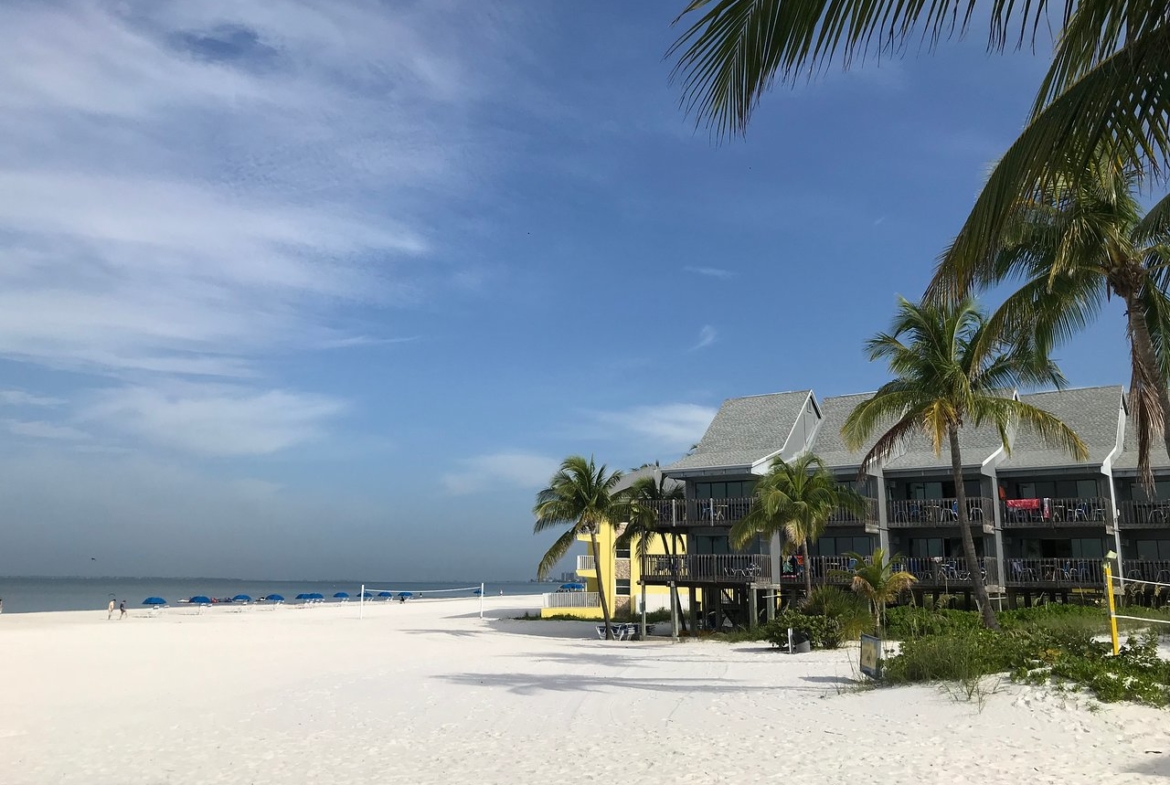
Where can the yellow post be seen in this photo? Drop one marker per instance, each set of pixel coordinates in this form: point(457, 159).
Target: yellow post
point(1112, 609)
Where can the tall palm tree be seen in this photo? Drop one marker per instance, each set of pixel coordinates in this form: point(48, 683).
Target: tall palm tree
point(1107, 83)
point(875, 579)
point(646, 497)
point(1075, 244)
point(951, 371)
point(796, 499)
point(581, 495)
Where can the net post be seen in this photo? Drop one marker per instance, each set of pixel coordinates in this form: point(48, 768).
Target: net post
point(361, 603)
point(481, 589)
point(1112, 609)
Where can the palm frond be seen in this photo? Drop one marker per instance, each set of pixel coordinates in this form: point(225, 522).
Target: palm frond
point(734, 50)
point(1155, 226)
point(556, 553)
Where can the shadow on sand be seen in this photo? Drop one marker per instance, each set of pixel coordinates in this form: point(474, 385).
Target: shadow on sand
point(532, 684)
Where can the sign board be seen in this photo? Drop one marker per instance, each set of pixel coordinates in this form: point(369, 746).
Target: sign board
point(871, 656)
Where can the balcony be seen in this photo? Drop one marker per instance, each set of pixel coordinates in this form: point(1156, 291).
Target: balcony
point(868, 518)
point(1144, 515)
point(939, 512)
point(572, 599)
point(722, 568)
point(1075, 573)
point(1157, 571)
point(725, 512)
point(1025, 513)
point(586, 564)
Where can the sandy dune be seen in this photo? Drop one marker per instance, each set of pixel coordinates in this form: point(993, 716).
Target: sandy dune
point(426, 692)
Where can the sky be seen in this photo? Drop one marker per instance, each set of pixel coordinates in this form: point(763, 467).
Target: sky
point(305, 290)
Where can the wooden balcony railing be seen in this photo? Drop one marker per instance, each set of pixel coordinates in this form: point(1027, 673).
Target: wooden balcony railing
point(843, 517)
point(938, 512)
point(708, 568)
point(1085, 511)
point(1144, 515)
point(1157, 570)
point(1083, 573)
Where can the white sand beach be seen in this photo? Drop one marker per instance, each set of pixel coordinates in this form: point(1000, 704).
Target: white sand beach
point(426, 692)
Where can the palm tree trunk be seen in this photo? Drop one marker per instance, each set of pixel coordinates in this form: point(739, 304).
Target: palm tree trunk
point(669, 548)
point(981, 597)
point(600, 585)
point(1143, 349)
point(807, 570)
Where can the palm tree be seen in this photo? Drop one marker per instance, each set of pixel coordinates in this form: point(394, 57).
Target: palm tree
point(875, 579)
point(645, 498)
point(949, 372)
point(581, 495)
point(797, 499)
point(1076, 244)
point(1107, 83)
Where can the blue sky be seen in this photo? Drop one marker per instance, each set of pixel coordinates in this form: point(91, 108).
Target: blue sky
point(327, 290)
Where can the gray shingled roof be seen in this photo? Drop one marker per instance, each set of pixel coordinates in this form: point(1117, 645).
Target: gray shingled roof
point(1127, 460)
point(828, 445)
point(976, 445)
point(630, 477)
point(745, 430)
point(1090, 411)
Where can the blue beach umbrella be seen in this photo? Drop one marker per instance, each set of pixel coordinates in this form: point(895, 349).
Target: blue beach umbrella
point(573, 586)
point(341, 595)
point(154, 601)
point(200, 599)
point(302, 596)
point(315, 596)
point(241, 598)
point(385, 594)
point(402, 594)
point(274, 598)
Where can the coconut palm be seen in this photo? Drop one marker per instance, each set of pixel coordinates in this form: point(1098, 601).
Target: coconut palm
point(1075, 244)
point(951, 371)
point(875, 579)
point(581, 495)
point(797, 499)
point(1107, 83)
point(646, 497)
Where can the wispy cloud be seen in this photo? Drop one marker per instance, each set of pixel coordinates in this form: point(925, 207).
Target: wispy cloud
point(22, 398)
point(668, 426)
point(711, 272)
point(511, 469)
point(707, 336)
point(190, 188)
point(214, 420)
point(37, 429)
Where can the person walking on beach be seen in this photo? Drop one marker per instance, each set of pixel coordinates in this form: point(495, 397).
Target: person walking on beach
point(110, 615)
point(122, 608)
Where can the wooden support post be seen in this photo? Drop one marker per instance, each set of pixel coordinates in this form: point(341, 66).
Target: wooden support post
point(753, 613)
point(693, 611)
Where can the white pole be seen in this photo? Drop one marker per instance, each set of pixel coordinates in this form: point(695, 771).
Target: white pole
point(481, 601)
point(361, 603)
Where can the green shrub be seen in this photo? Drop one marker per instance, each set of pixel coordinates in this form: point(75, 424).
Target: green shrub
point(906, 623)
point(823, 632)
point(959, 654)
point(850, 610)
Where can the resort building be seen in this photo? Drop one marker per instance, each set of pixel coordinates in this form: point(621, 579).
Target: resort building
point(1042, 521)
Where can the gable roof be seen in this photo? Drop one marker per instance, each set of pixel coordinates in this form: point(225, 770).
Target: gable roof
point(1090, 411)
point(829, 446)
point(1127, 461)
point(629, 478)
point(745, 430)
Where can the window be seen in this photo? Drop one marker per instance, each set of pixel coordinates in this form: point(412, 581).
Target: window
point(1087, 549)
point(622, 588)
point(622, 553)
point(1153, 550)
point(725, 490)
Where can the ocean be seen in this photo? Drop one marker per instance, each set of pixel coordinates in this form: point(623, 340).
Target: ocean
point(32, 595)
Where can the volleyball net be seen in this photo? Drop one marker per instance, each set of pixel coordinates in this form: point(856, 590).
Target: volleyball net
point(1126, 585)
point(372, 595)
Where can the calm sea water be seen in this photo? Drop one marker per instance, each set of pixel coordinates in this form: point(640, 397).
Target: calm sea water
point(29, 595)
